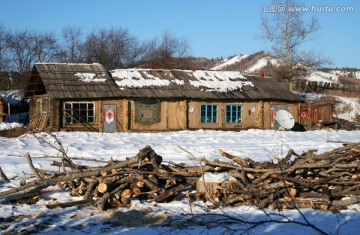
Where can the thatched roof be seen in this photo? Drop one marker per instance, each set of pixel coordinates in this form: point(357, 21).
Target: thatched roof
point(76, 81)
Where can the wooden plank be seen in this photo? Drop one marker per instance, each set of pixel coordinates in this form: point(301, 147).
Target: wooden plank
point(43, 121)
point(34, 122)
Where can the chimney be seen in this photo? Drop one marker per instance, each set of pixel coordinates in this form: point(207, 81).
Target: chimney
point(10, 79)
point(152, 65)
point(262, 75)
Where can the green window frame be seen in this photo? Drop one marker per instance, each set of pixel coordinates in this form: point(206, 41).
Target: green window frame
point(208, 113)
point(234, 113)
point(79, 112)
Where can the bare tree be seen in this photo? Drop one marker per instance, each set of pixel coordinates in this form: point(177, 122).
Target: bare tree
point(167, 51)
point(288, 30)
point(113, 48)
point(73, 45)
point(3, 48)
point(26, 48)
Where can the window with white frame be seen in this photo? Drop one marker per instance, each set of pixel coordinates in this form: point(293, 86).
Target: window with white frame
point(234, 113)
point(79, 112)
point(208, 113)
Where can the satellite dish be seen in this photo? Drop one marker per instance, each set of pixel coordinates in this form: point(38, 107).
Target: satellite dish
point(285, 119)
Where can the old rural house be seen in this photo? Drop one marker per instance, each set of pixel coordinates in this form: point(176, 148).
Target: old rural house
point(87, 97)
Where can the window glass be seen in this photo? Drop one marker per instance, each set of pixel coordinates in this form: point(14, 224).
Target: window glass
point(234, 113)
point(208, 113)
point(79, 112)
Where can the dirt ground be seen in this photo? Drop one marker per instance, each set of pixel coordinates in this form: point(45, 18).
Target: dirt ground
point(16, 132)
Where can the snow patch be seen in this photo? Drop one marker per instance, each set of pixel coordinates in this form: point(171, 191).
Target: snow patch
point(8, 126)
point(178, 82)
point(89, 77)
point(217, 178)
point(133, 78)
point(351, 105)
point(220, 81)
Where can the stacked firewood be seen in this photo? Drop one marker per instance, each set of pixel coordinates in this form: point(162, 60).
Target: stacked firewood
point(326, 181)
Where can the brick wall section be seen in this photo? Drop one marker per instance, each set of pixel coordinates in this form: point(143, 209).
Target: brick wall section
point(55, 115)
point(32, 108)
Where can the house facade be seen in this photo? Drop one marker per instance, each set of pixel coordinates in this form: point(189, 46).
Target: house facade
point(86, 97)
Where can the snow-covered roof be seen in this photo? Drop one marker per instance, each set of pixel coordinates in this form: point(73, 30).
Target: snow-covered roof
point(198, 84)
point(221, 81)
point(12, 97)
point(75, 81)
point(133, 78)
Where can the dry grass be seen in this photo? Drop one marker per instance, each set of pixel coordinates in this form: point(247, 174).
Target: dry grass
point(349, 81)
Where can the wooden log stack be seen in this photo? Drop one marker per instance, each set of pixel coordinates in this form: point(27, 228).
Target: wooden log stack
point(327, 181)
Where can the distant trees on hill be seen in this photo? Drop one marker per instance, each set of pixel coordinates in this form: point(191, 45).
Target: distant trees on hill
point(112, 47)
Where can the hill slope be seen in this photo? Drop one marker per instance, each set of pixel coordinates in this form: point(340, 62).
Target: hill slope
point(273, 66)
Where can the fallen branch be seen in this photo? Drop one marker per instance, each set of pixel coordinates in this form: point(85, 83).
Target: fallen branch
point(3, 176)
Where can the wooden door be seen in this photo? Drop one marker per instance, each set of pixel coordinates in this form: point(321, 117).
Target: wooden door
point(109, 112)
point(305, 117)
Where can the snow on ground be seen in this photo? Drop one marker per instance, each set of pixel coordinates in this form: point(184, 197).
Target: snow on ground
point(8, 126)
point(260, 145)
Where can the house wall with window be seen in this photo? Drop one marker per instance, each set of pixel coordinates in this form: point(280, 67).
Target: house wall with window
point(154, 115)
point(225, 115)
point(90, 115)
point(150, 115)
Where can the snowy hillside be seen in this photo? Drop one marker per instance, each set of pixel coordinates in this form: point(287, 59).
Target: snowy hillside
point(318, 76)
point(257, 62)
point(253, 63)
point(353, 74)
point(229, 61)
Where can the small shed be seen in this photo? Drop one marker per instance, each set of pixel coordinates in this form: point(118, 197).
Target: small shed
point(87, 97)
point(312, 113)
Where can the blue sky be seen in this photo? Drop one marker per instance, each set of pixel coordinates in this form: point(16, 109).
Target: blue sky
point(214, 28)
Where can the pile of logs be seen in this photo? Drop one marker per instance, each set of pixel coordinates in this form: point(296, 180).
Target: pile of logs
point(327, 181)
